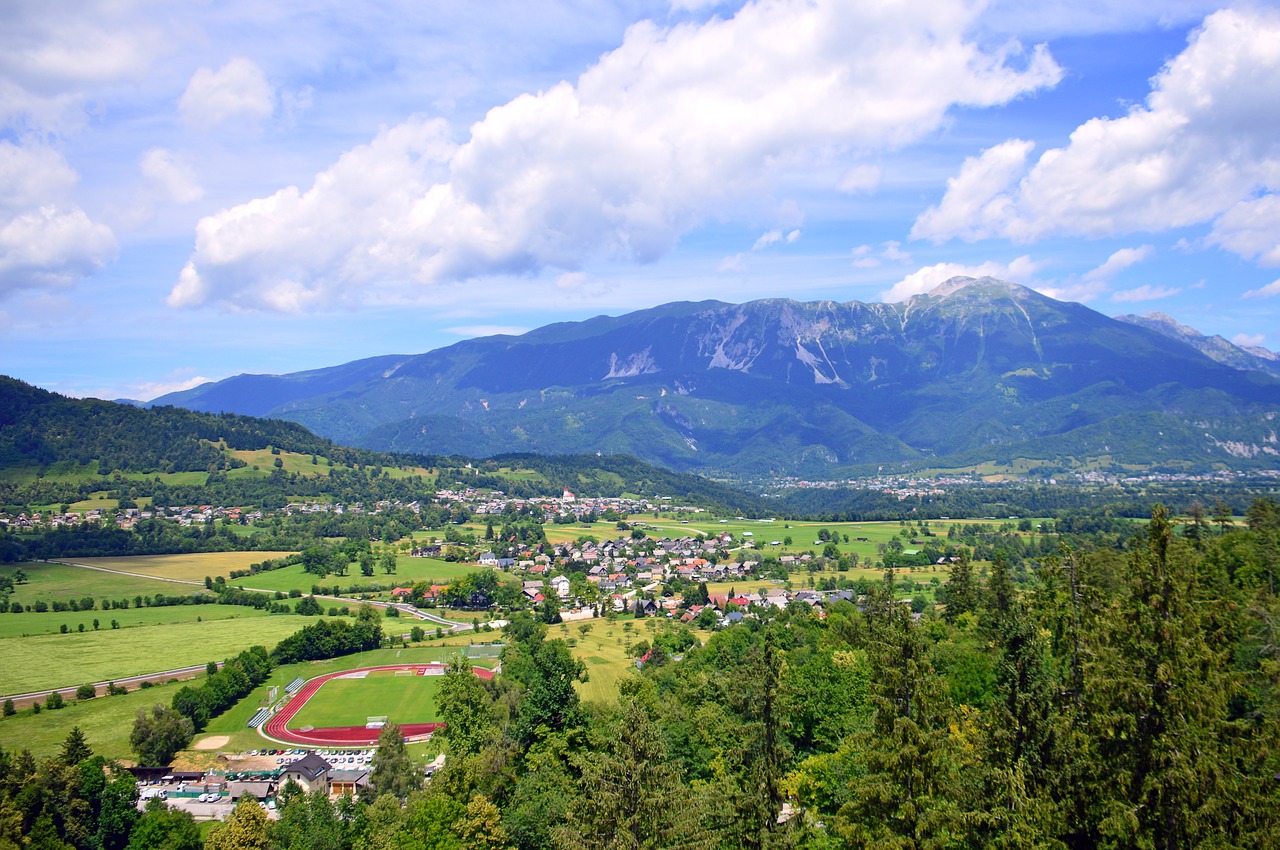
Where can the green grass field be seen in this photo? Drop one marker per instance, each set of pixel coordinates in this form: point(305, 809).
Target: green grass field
point(57, 660)
point(105, 721)
point(409, 571)
point(50, 622)
point(350, 702)
point(603, 650)
point(47, 582)
point(232, 724)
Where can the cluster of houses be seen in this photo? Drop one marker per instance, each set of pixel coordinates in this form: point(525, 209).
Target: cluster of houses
point(625, 564)
point(625, 573)
point(185, 515)
point(567, 506)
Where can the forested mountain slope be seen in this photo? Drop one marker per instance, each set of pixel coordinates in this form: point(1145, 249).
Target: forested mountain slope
point(976, 370)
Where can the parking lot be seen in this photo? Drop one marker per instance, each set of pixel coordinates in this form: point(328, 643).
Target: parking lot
point(210, 797)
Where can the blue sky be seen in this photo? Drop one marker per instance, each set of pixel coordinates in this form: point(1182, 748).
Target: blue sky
point(190, 191)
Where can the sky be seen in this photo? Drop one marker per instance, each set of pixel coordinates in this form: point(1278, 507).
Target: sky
point(194, 190)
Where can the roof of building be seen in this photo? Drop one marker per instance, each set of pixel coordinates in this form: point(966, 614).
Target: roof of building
point(310, 766)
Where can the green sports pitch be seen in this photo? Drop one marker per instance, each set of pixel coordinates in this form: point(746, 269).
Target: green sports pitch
point(401, 699)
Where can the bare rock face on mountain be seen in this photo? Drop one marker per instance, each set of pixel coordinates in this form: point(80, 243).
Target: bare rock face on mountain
point(1213, 347)
point(974, 370)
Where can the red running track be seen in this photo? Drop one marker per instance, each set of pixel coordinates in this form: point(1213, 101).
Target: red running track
point(277, 729)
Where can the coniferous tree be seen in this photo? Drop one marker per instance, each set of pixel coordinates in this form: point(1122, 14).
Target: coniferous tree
point(630, 794)
point(961, 590)
point(909, 787)
point(1157, 697)
point(75, 748)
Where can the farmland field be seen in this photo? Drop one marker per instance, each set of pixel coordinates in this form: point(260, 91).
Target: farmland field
point(47, 582)
point(105, 721)
point(192, 568)
point(409, 571)
point(350, 702)
point(57, 660)
point(49, 622)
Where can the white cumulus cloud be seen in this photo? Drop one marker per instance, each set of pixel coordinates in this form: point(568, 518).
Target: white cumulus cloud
point(238, 91)
point(676, 124)
point(772, 237)
point(976, 205)
point(1249, 339)
point(1203, 149)
point(45, 239)
point(925, 279)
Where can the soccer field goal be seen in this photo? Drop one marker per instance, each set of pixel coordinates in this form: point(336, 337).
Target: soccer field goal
point(486, 650)
point(404, 673)
point(376, 722)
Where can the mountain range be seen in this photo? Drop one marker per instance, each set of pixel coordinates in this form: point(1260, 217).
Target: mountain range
point(975, 371)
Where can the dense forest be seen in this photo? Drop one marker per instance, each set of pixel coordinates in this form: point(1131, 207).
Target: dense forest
point(1029, 498)
point(97, 445)
point(1127, 698)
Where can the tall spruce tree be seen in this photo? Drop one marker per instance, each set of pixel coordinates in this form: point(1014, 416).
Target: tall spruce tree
point(1156, 697)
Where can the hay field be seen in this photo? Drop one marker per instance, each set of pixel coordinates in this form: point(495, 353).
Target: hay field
point(47, 582)
point(192, 568)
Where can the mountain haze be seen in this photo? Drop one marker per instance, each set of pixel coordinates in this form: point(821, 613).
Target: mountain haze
point(975, 370)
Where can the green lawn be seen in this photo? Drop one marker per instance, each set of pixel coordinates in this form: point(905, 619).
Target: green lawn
point(105, 721)
point(409, 571)
point(53, 661)
point(233, 723)
point(350, 702)
point(50, 622)
point(47, 582)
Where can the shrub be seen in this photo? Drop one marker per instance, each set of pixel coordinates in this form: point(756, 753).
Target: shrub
point(86, 691)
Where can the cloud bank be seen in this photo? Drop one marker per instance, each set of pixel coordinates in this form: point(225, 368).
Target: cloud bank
point(676, 124)
point(45, 239)
point(1204, 148)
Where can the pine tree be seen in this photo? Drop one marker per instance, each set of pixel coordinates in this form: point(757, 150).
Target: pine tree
point(1156, 699)
point(630, 794)
point(962, 591)
point(910, 790)
point(75, 748)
